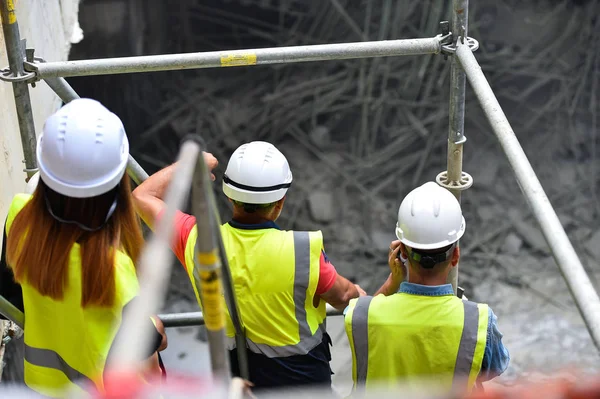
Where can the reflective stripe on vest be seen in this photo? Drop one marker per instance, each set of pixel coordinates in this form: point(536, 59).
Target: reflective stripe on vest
point(275, 274)
point(468, 341)
point(360, 330)
point(50, 359)
point(301, 276)
point(474, 329)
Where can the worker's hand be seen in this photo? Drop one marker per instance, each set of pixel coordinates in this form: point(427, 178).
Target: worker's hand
point(211, 162)
point(396, 266)
point(161, 329)
point(361, 292)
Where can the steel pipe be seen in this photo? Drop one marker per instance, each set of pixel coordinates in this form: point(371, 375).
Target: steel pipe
point(154, 267)
point(228, 290)
point(11, 312)
point(135, 171)
point(16, 56)
point(577, 280)
point(456, 131)
point(197, 318)
point(216, 59)
point(207, 273)
point(62, 89)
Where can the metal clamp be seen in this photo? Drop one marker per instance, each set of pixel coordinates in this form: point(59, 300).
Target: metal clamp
point(448, 43)
point(465, 182)
point(7, 75)
point(29, 74)
point(450, 48)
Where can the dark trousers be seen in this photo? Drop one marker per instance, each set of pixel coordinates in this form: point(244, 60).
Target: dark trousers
point(292, 371)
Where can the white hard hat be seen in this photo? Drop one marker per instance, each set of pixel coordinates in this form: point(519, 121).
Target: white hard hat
point(429, 218)
point(257, 173)
point(83, 150)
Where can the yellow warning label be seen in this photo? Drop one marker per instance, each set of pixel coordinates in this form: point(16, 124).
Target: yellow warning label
point(212, 300)
point(208, 258)
point(12, 16)
point(238, 59)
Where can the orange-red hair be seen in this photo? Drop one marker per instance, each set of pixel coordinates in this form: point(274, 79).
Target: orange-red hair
point(38, 246)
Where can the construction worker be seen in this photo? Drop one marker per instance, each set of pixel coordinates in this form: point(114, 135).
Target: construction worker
point(424, 330)
point(69, 252)
point(282, 278)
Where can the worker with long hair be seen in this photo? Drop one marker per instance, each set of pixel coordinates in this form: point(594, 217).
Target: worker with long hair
point(70, 251)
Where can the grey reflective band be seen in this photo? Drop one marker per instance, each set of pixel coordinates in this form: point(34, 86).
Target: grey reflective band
point(308, 341)
point(468, 342)
point(50, 359)
point(301, 281)
point(360, 337)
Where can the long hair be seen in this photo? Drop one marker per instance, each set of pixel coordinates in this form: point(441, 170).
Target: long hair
point(39, 246)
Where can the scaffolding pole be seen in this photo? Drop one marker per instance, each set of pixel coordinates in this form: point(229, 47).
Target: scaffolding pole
point(10, 312)
point(62, 89)
point(564, 254)
point(154, 267)
point(216, 59)
point(228, 287)
point(207, 273)
point(16, 56)
point(197, 318)
point(456, 132)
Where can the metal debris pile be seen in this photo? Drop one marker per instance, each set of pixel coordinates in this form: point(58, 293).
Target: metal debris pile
point(360, 134)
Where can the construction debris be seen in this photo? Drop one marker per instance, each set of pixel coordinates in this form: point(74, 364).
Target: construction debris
point(371, 130)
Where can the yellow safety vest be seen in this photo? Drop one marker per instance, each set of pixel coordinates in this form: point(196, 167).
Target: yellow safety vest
point(275, 275)
point(66, 346)
point(405, 338)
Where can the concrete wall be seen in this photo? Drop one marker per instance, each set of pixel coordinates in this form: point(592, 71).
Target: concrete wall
point(50, 26)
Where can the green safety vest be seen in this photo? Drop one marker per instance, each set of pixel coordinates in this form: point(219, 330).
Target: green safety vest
point(405, 338)
point(66, 346)
point(275, 275)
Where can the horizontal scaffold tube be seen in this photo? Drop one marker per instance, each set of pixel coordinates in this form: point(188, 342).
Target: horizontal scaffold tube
point(216, 59)
point(577, 280)
point(197, 319)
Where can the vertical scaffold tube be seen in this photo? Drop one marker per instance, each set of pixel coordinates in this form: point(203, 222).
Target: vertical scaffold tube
point(577, 280)
point(16, 56)
point(154, 266)
point(230, 297)
point(207, 271)
point(456, 133)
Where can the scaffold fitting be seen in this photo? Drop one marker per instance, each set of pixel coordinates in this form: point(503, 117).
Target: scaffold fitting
point(450, 48)
point(465, 182)
point(8, 76)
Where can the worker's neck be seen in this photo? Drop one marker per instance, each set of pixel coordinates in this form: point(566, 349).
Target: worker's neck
point(416, 278)
point(251, 218)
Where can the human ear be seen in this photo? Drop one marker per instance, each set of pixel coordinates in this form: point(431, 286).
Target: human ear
point(455, 256)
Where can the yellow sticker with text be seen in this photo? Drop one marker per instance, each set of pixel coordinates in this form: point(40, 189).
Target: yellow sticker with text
point(212, 300)
point(12, 16)
point(238, 59)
